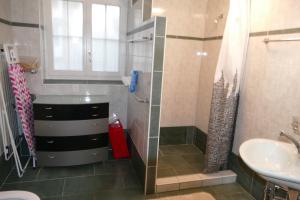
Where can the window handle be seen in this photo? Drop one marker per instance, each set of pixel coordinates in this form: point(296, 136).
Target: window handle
point(90, 55)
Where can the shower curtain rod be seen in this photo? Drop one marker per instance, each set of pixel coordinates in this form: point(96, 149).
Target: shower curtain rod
point(267, 40)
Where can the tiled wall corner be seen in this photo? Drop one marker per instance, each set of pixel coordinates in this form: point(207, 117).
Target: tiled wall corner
point(200, 139)
point(183, 135)
point(172, 135)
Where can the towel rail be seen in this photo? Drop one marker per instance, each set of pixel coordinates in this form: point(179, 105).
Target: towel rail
point(267, 40)
point(140, 99)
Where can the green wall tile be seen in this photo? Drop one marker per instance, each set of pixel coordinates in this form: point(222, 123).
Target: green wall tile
point(159, 46)
point(156, 88)
point(154, 121)
point(160, 26)
point(152, 155)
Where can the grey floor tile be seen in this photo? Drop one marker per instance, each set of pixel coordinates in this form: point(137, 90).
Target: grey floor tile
point(228, 189)
point(29, 175)
point(52, 198)
point(239, 196)
point(80, 197)
point(113, 167)
point(43, 189)
point(90, 184)
point(131, 181)
point(49, 173)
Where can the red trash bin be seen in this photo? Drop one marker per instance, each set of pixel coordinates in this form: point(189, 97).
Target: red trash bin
point(118, 140)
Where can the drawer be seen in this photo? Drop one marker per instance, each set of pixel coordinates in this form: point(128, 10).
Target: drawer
point(70, 128)
point(71, 143)
point(70, 112)
point(70, 158)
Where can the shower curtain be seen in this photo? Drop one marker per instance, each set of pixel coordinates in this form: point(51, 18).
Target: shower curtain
point(226, 86)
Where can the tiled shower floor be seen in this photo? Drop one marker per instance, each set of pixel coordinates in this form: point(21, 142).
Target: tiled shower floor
point(181, 167)
point(179, 160)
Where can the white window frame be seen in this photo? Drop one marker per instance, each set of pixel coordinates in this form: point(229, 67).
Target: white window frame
point(86, 73)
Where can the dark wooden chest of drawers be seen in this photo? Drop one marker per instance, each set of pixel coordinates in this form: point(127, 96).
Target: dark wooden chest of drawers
point(71, 134)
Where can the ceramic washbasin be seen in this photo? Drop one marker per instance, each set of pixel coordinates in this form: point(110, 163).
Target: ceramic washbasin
point(277, 162)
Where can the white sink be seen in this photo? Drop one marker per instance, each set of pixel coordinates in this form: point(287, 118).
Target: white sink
point(277, 162)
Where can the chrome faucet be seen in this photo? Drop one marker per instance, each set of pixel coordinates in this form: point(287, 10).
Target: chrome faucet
point(292, 139)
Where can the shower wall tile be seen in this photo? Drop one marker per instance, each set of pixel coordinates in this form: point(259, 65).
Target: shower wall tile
point(159, 53)
point(135, 14)
point(155, 118)
point(216, 8)
point(185, 19)
point(152, 156)
point(274, 15)
point(151, 179)
point(5, 33)
point(270, 94)
point(156, 88)
point(5, 9)
point(180, 82)
point(25, 11)
point(206, 79)
point(172, 135)
point(147, 8)
point(160, 26)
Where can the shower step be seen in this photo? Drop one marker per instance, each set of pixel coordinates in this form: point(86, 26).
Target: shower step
point(181, 182)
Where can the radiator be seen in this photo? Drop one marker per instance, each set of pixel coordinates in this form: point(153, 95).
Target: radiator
point(9, 99)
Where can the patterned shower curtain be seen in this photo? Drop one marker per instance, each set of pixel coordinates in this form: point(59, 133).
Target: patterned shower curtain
point(226, 86)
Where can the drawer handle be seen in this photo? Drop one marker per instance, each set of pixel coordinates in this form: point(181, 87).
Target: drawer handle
point(48, 108)
point(95, 107)
point(95, 139)
point(49, 116)
point(50, 141)
point(51, 157)
point(95, 115)
point(95, 153)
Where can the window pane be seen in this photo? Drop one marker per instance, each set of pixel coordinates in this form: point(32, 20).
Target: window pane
point(59, 17)
point(75, 13)
point(60, 53)
point(112, 56)
point(105, 38)
point(67, 27)
point(98, 54)
point(98, 21)
point(75, 53)
point(112, 22)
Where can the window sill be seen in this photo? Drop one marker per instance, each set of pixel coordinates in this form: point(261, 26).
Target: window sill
point(101, 82)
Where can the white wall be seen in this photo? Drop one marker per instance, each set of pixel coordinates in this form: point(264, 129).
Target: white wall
point(270, 96)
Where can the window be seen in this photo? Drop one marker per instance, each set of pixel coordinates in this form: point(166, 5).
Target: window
point(82, 39)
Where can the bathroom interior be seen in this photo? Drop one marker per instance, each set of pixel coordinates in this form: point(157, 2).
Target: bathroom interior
point(149, 99)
